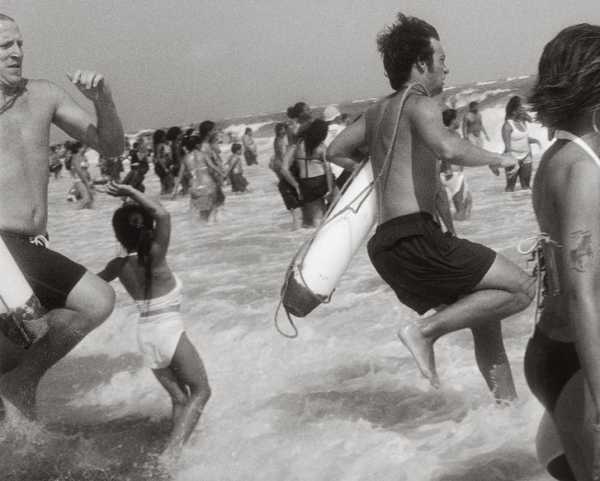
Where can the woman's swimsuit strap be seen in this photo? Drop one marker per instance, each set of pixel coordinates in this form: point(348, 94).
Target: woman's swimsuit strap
point(564, 135)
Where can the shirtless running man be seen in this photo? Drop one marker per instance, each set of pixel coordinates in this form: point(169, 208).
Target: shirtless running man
point(78, 300)
point(425, 267)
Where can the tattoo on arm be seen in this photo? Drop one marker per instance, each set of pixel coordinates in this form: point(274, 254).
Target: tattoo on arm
point(582, 252)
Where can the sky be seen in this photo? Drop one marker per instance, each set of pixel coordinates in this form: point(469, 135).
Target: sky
point(174, 62)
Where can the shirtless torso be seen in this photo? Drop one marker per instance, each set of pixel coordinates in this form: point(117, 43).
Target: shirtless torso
point(411, 181)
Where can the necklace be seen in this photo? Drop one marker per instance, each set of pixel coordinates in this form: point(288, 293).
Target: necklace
point(10, 101)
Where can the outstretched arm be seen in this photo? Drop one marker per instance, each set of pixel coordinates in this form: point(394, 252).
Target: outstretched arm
point(106, 133)
point(112, 270)
point(426, 118)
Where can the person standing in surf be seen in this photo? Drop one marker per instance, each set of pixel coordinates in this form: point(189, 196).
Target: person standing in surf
point(77, 300)
point(562, 361)
point(143, 228)
point(517, 143)
point(426, 268)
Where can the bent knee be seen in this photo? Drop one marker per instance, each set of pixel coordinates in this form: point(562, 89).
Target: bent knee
point(103, 304)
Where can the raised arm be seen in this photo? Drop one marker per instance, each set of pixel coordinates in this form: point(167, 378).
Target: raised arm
point(106, 133)
point(162, 233)
point(345, 149)
point(426, 118)
point(577, 210)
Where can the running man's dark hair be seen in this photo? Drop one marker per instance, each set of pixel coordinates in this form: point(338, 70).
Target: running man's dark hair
point(568, 80)
point(136, 238)
point(294, 111)
point(236, 148)
point(403, 44)
point(473, 104)
point(248, 130)
point(313, 135)
point(448, 115)
point(512, 106)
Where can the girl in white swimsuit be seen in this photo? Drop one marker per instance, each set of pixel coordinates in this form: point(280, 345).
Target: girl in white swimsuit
point(143, 228)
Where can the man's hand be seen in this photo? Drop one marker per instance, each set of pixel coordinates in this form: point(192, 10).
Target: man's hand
point(91, 84)
point(507, 162)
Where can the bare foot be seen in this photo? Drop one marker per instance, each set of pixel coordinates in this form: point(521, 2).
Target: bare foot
point(20, 393)
point(421, 350)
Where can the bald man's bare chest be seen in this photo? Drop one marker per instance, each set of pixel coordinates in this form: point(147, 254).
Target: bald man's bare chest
point(25, 133)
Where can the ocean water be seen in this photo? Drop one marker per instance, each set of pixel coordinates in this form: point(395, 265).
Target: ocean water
point(344, 401)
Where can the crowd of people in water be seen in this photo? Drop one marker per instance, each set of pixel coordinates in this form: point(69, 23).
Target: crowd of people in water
point(417, 151)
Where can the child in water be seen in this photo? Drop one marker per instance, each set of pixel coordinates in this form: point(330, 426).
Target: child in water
point(143, 228)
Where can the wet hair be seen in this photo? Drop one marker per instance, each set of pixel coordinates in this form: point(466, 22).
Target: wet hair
point(158, 137)
point(403, 44)
point(191, 142)
point(448, 116)
point(136, 238)
point(294, 111)
point(248, 130)
point(473, 104)
point(204, 129)
point(568, 80)
point(512, 106)
point(313, 135)
point(236, 148)
point(173, 133)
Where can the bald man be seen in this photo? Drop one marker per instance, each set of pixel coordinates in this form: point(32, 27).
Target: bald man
point(76, 300)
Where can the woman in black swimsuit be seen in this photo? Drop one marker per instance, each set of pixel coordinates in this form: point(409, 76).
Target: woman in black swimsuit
point(562, 362)
point(314, 182)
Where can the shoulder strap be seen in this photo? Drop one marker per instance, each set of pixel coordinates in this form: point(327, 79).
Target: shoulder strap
point(564, 135)
point(386, 165)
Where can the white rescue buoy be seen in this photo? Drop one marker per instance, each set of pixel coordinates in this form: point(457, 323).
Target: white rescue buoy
point(21, 314)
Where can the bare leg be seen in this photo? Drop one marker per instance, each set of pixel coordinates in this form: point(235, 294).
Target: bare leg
point(179, 397)
point(294, 219)
point(504, 290)
point(89, 303)
point(573, 416)
point(188, 370)
point(492, 361)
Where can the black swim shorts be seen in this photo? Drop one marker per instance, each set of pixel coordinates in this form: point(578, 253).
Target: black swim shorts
point(424, 266)
point(51, 275)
